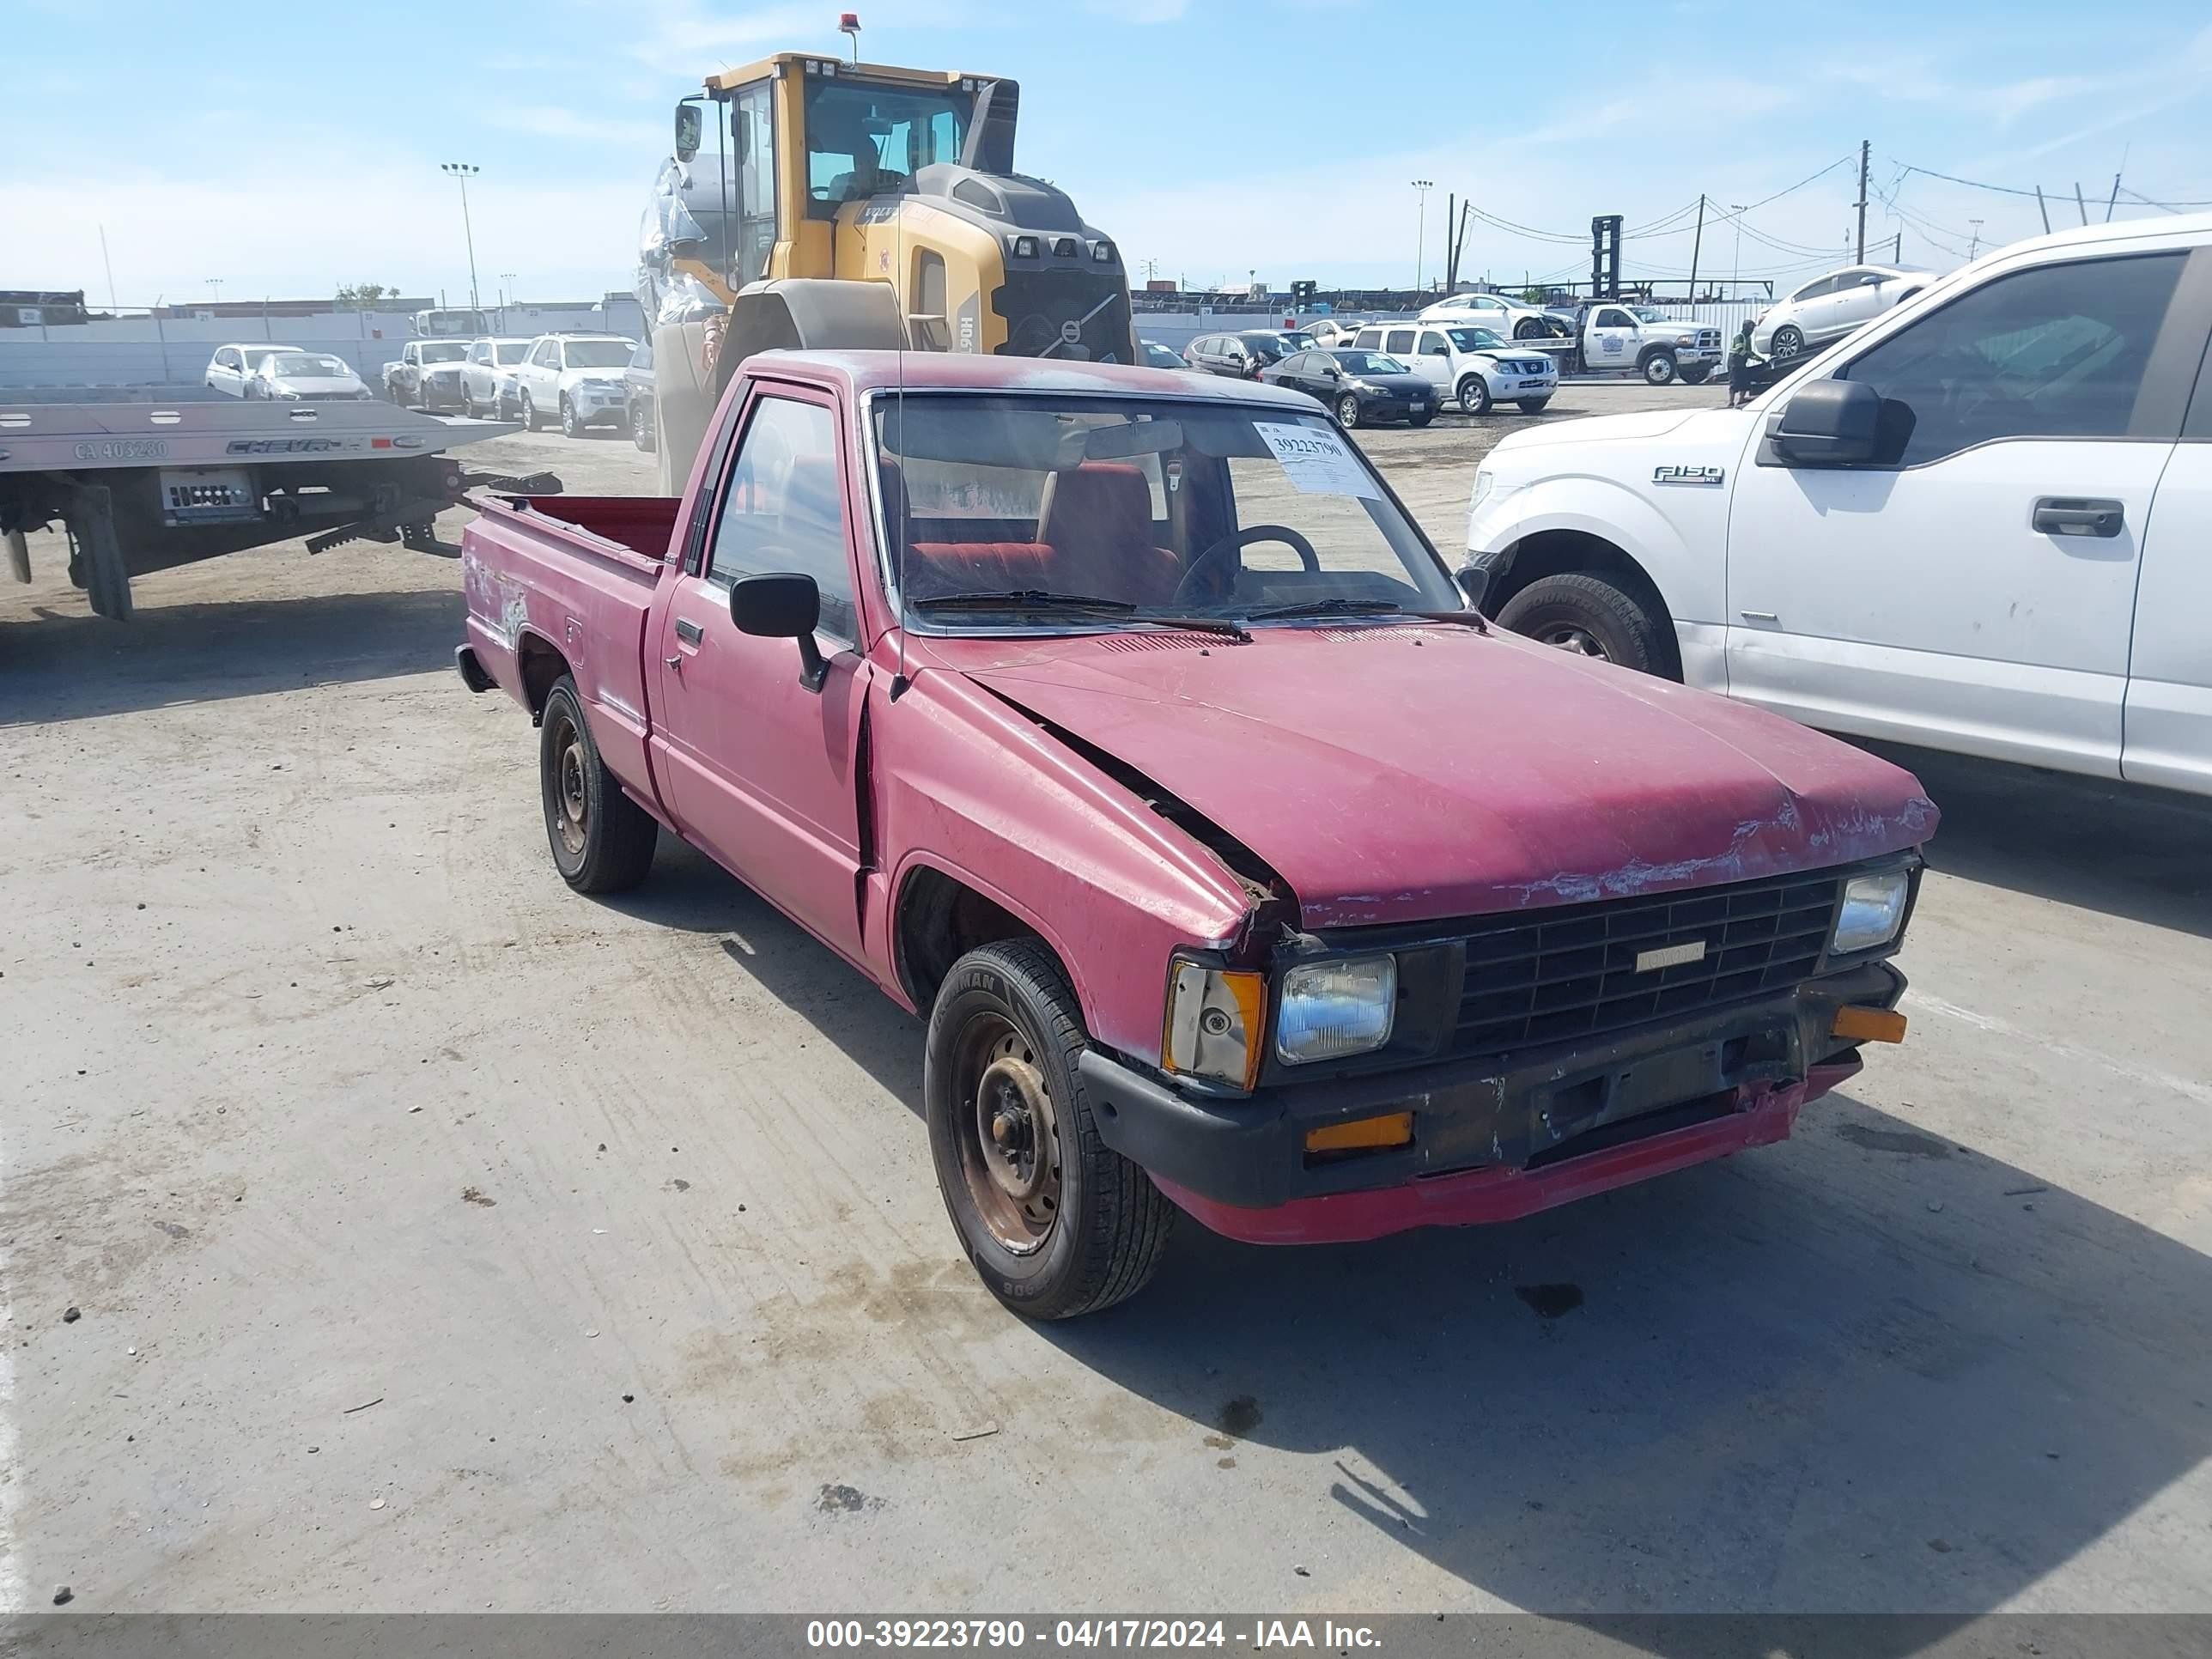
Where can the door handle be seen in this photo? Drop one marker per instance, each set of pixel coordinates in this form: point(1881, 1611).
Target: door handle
point(2072, 515)
point(689, 631)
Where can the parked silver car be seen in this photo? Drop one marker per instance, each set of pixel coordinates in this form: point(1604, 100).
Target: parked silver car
point(233, 365)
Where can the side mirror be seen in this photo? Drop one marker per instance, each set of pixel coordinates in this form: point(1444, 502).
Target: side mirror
point(1828, 424)
point(689, 126)
point(1473, 581)
point(782, 607)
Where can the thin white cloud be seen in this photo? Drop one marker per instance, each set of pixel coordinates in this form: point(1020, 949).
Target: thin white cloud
point(552, 121)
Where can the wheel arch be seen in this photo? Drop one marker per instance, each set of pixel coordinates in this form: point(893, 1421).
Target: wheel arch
point(540, 664)
point(941, 912)
point(1568, 551)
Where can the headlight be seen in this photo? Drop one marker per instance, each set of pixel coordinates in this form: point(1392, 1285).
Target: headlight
point(1215, 1018)
point(1873, 910)
point(1330, 1009)
point(1685, 339)
point(1483, 482)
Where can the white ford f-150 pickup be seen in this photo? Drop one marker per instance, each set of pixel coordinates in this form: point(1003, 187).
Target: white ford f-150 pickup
point(1980, 524)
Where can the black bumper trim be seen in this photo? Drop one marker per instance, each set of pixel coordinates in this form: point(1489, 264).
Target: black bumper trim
point(1494, 1109)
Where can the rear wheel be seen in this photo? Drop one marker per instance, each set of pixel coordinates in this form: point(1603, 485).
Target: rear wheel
point(1587, 616)
point(1531, 328)
point(1347, 411)
point(1056, 1222)
point(1474, 395)
point(1533, 405)
point(602, 840)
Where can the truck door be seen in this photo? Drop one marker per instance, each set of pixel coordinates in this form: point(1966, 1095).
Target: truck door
point(760, 769)
point(1609, 338)
point(1434, 360)
point(1974, 588)
point(2168, 723)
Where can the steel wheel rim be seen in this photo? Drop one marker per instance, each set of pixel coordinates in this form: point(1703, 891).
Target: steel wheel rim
point(1007, 1132)
point(572, 801)
point(1572, 636)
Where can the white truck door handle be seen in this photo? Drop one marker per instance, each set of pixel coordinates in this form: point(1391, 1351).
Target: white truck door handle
point(1758, 616)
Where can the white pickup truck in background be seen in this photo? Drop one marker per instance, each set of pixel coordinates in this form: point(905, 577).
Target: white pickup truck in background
point(1982, 523)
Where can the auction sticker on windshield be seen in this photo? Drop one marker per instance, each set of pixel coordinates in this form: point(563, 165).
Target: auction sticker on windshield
point(1317, 461)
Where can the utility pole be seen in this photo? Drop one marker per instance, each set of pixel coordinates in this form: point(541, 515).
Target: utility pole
point(2042, 209)
point(1974, 247)
point(1865, 150)
point(2080, 206)
point(1422, 186)
point(2113, 200)
point(1451, 254)
point(1697, 242)
point(461, 170)
point(1896, 256)
point(1736, 276)
point(110, 268)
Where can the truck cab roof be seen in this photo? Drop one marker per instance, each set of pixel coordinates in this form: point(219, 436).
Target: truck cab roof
point(859, 372)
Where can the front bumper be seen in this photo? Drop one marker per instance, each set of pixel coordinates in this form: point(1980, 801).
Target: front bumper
point(1382, 407)
point(593, 411)
point(1494, 1137)
point(442, 394)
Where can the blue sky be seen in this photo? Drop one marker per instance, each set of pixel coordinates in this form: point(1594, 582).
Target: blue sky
point(286, 148)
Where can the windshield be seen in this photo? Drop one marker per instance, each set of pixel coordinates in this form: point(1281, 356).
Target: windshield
point(1217, 511)
point(256, 355)
point(1473, 339)
point(299, 364)
point(1368, 362)
point(444, 353)
point(1650, 314)
point(597, 354)
point(863, 140)
point(507, 353)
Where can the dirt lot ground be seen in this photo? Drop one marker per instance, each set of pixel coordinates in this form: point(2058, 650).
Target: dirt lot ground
point(443, 1239)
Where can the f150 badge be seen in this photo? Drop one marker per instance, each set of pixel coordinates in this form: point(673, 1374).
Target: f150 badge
point(1688, 475)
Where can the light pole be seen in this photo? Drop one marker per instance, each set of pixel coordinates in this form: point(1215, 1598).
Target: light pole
point(462, 171)
point(1736, 276)
point(1422, 187)
point(216, 283)
point(1974, 247)
point(506, 294)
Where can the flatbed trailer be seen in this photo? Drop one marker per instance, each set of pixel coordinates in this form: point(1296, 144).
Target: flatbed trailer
point(141, 486)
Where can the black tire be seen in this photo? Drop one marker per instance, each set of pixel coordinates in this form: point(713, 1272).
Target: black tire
point(1534, 405)
point(1474, 395)
point(1789, 340)
point(529, 414)
point(1696, 373)
point(1532, 328)
point(1008, 1007)
point(602, 840)
point(1347, 411)
point(572, 425)
point(1589, 615)
point(640, 426)
point(1419, 420)
point(1657, 368)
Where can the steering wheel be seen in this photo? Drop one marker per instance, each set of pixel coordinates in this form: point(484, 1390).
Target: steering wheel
point(1308, 561)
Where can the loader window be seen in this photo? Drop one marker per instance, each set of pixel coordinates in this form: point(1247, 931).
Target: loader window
point(863, 140)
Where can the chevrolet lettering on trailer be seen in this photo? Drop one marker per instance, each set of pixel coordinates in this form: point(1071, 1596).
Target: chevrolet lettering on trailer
point(1027, 657)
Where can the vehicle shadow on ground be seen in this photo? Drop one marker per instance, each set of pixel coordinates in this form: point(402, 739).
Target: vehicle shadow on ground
point(56, 668)
point(1851, 1373)
point(2117, 850)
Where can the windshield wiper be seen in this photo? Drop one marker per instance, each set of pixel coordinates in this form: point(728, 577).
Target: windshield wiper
point(1350, 607)
point(1040, 598)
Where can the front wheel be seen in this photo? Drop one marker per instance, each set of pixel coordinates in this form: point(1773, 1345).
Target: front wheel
point(1474, 396)
point(602, 840)
point(1659, 369)
point(570, 426)
point(1532, 328)
point(1587, 616)
point(1419, 420)
point(1347, 411)
point(1056, 1222)
point(529, 415)
point(640, 426)
point(1533, 405)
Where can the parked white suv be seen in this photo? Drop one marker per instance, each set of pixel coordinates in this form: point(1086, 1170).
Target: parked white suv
point(234, 366)
point(1469, 365)
point(1828, 308)
point(1516, 320)
point(1978, 525)
point(576, 379)
point(488, 374)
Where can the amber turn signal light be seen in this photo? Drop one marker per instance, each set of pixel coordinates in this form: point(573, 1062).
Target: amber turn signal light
point(1362, 1133)
point(1869, 1025)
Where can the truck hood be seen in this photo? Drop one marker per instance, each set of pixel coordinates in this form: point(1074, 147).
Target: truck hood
point(1590, 430)
point(1413, 772)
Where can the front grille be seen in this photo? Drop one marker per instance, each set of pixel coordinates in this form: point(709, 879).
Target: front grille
point(1042, 307)
point(1570, 973)
point(1531, 365)
point(1710, 338)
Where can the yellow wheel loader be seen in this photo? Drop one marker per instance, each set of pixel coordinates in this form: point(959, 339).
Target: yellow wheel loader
point(820, 202)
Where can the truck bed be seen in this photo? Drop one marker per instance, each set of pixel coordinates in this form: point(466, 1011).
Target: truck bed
point(572, 577)
point(40, 436)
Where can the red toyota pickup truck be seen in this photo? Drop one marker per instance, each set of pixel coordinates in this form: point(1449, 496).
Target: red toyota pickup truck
point(1123, 723)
